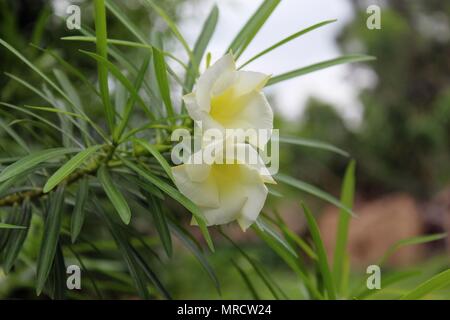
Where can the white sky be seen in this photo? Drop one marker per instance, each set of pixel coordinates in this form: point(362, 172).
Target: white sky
point(334, 84)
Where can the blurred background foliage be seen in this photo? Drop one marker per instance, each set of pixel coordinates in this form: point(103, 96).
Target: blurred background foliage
point(401, 146)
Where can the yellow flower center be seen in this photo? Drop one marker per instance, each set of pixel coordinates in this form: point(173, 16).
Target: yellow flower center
point(225, 106)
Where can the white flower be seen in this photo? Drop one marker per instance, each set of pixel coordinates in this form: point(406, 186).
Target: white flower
point(226, 192)
point(226, 98)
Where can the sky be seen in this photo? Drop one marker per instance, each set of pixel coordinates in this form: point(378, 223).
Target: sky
point(334, 85)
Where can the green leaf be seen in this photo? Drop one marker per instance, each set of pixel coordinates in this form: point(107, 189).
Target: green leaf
point(386, 281)
point(12, 222)
point(247, 281)
point(319, 66)
point(118, 12)
point(275, 236)
point(171, 25)
point(32, 161)
point(251, 28)
point(160, 223)
point(176, 195)
point(43, 120)
point(157, 155)
point(70, 68)
point(16, 238)
point(69, 167)
point(410, 242)
point(294, 238)
point(50, 82)
point(163, 82)
point(288, 39)
point(56, 283)
point(191, 244)
point(303, 186)
point(340, 250)
point(102, 50)
point(321, 253)
point(10, 226)
point(290, 259)
point(439, 281)
point(114, 195)
point(33, 67)
point(15, 136)
point(54, 110)
point(200, 47)
point(265, 278)
point(50, 238)
point(150, 274)
point(127, 251)
point(123, 80)
point(312, 144)
point(79, 212)
point(132, 99)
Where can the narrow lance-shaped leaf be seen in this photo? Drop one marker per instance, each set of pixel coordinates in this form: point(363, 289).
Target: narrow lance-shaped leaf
point(191, 244)
point(287, 39)
point(247, 281)
point(306, 187)
point(16, 238)
point(11, 223)
point(386, 281)
point(50, 82)
point(200, 47)
point(125, 20)
point(312, 144)
point(114, 195)
point(56, 283)
point(251, 28)
point(127, 252)
point(69, 167)
point(32, 161)
point(160, 223)
point(290, 259)
point(173, 27)
point(15, 136)
point(321, 253)
point(79, 211)
point(52, 227)
point(163, 82)
point(265, 278)
point(102, 50)
point(319, 66)
point(437, 282)
point(176, 195)
point(157, 155)
point(132, 99)
point(10, 226)
point(410, 242)
point(340, 251)
point(123, 80)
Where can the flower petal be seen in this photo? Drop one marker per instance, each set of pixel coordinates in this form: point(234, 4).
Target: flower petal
point(203, 194)
point(208, 79)
point(248, 81)
point(256, 193)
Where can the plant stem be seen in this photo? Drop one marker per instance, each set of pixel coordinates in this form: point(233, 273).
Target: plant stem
point(90, 169)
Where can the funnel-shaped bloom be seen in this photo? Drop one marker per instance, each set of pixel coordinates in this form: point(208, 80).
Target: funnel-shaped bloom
point(226, 98)
point(226, 190)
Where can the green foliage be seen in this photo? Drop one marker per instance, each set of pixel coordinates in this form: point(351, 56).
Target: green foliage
point(72, 191)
